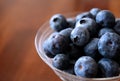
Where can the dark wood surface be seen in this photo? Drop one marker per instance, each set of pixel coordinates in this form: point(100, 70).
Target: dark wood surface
point(19, 22)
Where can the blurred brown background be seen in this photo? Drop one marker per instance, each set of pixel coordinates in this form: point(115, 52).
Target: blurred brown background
point(19, 22)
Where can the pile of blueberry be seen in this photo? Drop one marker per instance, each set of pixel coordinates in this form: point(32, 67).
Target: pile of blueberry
point(87, 45)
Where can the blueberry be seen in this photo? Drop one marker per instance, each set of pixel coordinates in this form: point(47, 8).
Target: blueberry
point(88, 23)
point(94, 11)
point(117, 59)
point(61, 61)
point(66, 33)
point(86, 66)
point(105, 18)
point(91, 49)
point(71, 22)
point(70, 69)
point(58, 22)
point(84, 15)
point(108, 68)
point(46, 45)
point(52, 35)
point(57, 43)
point(80, 36)
point(104, 30)
point(75, 52)
point(117, 27)
point(46, 49)
point(109, 45)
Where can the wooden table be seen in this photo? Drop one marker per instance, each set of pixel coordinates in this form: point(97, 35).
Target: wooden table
point(19, 22)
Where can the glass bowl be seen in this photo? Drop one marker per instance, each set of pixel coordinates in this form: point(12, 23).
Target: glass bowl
point(44, 32)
